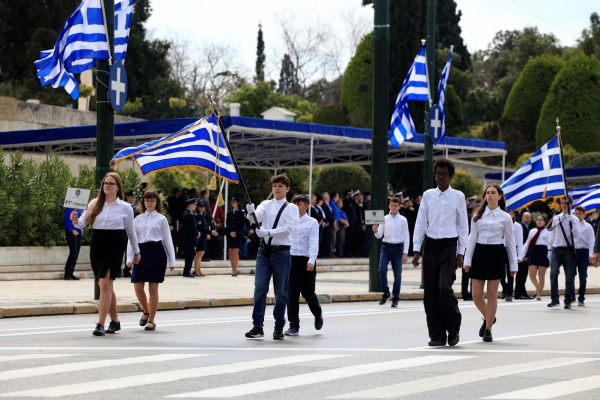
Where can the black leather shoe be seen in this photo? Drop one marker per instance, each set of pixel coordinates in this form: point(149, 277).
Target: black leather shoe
point(483, 326)
point(67, 277)
point(99, 331)
point(188, 275)
point(143, 321)
point(74, 278)
point(151, 326)
point(503, 296)
point(318, 323)
point(113, 327)
point(437, 343)
point(278, 334)
point(487, 336)
point(453, 339)
point(508, 298)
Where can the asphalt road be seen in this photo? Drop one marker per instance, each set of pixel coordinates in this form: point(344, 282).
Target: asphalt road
point(363, 351)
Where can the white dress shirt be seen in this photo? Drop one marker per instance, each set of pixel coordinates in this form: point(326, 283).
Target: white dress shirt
point(586, 237)
point(556, 237)
point(153, 227)
point(542, 240)
point(305, 238)
point(494, 227)
point(518, 233)
point(442, 215)
point(394, 230)
point(266, 213)
point(115, 216)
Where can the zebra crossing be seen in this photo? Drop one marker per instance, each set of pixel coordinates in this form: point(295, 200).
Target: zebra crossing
point(214, 375)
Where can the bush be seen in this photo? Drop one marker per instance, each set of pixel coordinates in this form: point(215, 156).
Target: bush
point(574, 98)
point(357, 85)
point(342, 179)
point(585, 160)
point(466, 183)
point(527, 95)
point(330, 115)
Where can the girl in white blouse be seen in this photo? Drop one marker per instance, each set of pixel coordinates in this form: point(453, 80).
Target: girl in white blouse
point(109, 217)
point(536, 248)
point(154, 237)
point(487, 256)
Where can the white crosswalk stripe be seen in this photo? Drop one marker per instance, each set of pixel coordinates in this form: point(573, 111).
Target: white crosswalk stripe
point(163, 377)
point(461, 378)
point(318, 377)
point(33, 357)
point(554, 390)
point(80, 366)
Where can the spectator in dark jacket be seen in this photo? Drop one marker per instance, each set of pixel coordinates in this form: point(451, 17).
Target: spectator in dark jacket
point(73, 236)
point(235, 233)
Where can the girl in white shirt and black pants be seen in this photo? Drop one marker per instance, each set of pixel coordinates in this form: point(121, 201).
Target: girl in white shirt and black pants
point(110, 217)
point(487, 254)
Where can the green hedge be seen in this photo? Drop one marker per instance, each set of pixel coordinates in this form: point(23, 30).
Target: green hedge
point(342, 179)
point(574, 98)
point(584, 160)
point(330, 115)
point(357, 85)
point(466, 183)
point(529, 92)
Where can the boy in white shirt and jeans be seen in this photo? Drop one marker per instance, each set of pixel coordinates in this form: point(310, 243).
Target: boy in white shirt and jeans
point(395, 250)
point(305, 248)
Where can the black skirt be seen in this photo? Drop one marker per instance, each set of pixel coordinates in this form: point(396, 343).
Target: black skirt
point(201, 245)
point(234, 242)
point(153, 264)
point(539, 256)
point(107, 248)
point(489, 262)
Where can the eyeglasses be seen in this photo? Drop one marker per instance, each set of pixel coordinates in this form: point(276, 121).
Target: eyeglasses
point(110, 184)
point(442, 175)
point(150, 200)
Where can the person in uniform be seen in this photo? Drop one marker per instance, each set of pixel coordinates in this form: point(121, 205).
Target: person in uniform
point(442, 225)
point(473, 201)
point(350, 211)
point(274, 255)
point(189, 238)
point(411, 218)
point(360, 227)
point(204, 232)
point(303, 274)
point(235, 232)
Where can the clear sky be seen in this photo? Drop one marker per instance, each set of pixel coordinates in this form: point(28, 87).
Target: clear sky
point(234, 22)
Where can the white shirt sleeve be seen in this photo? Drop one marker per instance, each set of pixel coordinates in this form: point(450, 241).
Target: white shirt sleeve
point(471, 243)
point(529, 237)
point(83, 220)
point(406, 236)
point(313, 243)
point(518, 231)
point(259, 213)
point(168, 241)
point(462, 226)
point(421, 224)
point(291, 219)
point(131, 235)
point(380, 230)
point(129, 248)
point(511, 246)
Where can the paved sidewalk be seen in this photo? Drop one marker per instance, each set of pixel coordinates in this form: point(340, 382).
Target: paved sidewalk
point(46, 297)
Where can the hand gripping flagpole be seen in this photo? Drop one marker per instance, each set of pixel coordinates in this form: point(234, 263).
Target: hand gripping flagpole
point(562, 164)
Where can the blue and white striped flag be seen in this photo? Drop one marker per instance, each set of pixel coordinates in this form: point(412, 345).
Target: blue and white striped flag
point(193, 146)
point(80, 43)
point(587, 197)
point(541, 177)
point(442, 97)
point(414, 87)
point(123, 16)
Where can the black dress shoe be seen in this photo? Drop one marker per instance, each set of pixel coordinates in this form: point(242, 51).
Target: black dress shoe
point(151, 326)
point(278, 334)
point(68, 277)
point(99, 331)
point(508, 298)
point(437, 343)
point(503, 296)
point(205, 259)
point(143, 321)
point(453, 339)
point(113, 327)
point(483, 326)
point(188, 275)
point(74, 278)
point(487, 336)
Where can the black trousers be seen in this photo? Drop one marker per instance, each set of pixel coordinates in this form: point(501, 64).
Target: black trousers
point(349, 241)
point(302, 282)
point(439, 273)
point(325, 245)
point(508, 282)
point(189, 252)
point(464, 286)
point(521, 279)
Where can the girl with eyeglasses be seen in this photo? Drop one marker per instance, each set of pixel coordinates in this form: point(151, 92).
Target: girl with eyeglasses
point(536, 248)
point(156, 248)
point(111, 220)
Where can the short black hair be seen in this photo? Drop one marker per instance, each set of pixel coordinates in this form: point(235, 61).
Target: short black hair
point(302, 198)
point(444, 162)
point(175, 191)
point(203, 192)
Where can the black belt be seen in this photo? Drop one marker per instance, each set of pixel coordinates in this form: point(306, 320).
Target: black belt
point(439, 241)
point(280, 248)
point(393, 244)
point(582, 250)
point(561, 248)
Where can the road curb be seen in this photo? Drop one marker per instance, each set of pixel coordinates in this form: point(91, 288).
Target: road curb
point(92, 307)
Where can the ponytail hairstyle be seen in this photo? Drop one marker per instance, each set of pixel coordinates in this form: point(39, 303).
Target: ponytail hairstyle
point(101, 199)
point(501, 203)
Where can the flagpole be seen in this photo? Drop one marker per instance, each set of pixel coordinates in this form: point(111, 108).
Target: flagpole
point(562, 164)
point(235, 164)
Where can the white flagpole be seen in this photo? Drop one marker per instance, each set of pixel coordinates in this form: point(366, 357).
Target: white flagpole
point(106, 31)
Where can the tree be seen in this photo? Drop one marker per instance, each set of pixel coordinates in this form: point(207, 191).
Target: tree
point(589, 42)
point(454, 112)
point(330, 115)
point(342, 179)
point(529, 92)
point(260, 57)
point(357, 85)
point(288, 85)
point(466, 183)
point(449, 32)
point(574, 98)
point(585, 160)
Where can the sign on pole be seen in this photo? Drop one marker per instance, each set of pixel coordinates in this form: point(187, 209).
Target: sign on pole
point(435, 123)
point(117, 86)
point(76, 198)
point(373, 217)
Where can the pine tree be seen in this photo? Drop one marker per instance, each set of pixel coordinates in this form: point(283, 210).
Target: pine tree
point(260, 57)
point(287, 84)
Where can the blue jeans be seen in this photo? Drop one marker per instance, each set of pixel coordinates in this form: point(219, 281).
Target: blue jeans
point(279, 267)
point(74, 243)
point(393, 255)
point(581, 264)
point(562, 256)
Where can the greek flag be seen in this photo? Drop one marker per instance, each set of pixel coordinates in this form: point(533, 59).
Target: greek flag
point(441, 96)
point(587, 197)
point(123, 15)
point(193, 146)
point(414, 87)
point(80, 43)
point(541, 177)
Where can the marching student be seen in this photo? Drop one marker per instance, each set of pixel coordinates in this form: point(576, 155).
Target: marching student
point(490, 247)
point(278, 219)
point(303, 274)
point(521, 278)
point(203, 234)
point(536, 248)
point(564, 233)
point(395, 250)
point(156, 249)
point(235, 232)
point(189, 238)
point(583, 248)
point(442, 224)
point(110, 218)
